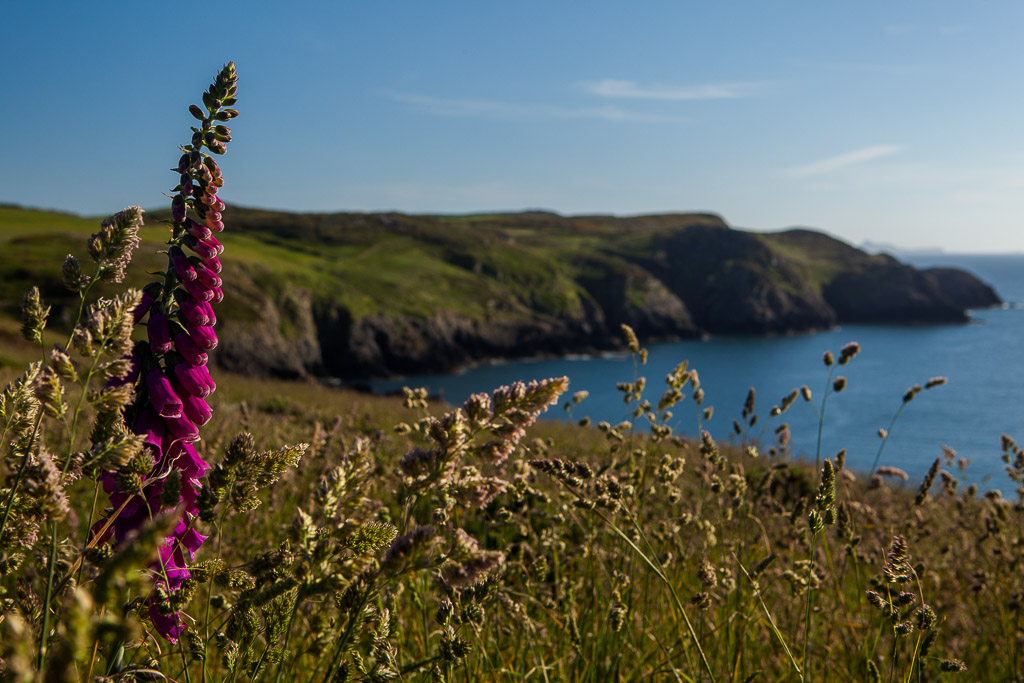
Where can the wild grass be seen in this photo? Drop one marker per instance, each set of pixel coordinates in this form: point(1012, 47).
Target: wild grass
point(410, 540)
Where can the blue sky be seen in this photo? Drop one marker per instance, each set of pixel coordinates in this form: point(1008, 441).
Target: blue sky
point(890, 122)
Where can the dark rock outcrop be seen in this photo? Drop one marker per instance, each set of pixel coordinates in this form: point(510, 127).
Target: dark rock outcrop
point(732, 282)
point(962, 289)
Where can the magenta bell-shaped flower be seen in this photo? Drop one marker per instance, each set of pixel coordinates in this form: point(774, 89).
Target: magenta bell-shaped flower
point(161, 394)
point(197, 230)
point(196, 409)
point(182, 268)
point(213, 263)
point(206, 276)
point(203, 336)
point(194, 311)
point(195, 379)
point(197, 290)
point(188, 349)
point(178, 208)
point(180, 429)
point(159, 332)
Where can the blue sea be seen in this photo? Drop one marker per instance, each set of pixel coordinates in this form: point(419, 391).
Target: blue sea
point(984, 397)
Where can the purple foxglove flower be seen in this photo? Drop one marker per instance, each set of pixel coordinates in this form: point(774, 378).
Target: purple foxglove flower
point(182, 268)
point(209, 312)
point(201, 246)
point(214, 224)
point(215, 243)
point(197, 160)
point(145, 303)
point(213, 263)
point(197, 230)
point(186, 185)
point(150, 293)
point(206, 276)
point(195, 379)
point(184, 163)
point(152, 429)
point(167, 625)
point(216, 202)
point(191, 540)
point(217, 295)
point(161, 394)
point(197, 290)
point(180, 430)
point(188, 349)
point(178, 208)
point(193, 311)
point(214, 169)
point(185, 458)
point(196, 409)
point(159, 332)
point(203, 336)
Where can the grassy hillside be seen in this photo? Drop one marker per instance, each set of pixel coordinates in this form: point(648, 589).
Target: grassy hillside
point(357, 295)
point(658, 559)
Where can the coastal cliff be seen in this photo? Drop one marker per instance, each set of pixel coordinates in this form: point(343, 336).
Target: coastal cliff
point(359, 296)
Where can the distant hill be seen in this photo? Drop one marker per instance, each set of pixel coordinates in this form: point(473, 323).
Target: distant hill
point(357, 295)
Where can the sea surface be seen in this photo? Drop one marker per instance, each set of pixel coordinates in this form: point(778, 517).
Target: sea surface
point(983, 399)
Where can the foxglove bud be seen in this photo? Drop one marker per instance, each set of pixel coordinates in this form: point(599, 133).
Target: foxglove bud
point(161, 395)
point(196, 409)
point(197, 230)
point(226, 114)
point(205, 275)
point(197, 160)
point(195, 379)
point(185, 182)
point(216, 295)
point(182, 268)
point(211, 316)
point(213, 264)
point(196, 112)
point(184, 163)
point(217, 147)
point(192, 309)
point(215, 175)
point(204, 176)
point(188, 349)
point(178, 208)
point(197, 290)
point(150, 293)
point(203, 336)
point(200, 246)
point(197, 140)
point(214, 223)
point(159, 332)
point(215, 243)
point(214, 202)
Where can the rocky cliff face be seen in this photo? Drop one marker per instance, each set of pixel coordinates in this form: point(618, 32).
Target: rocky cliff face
point(733, 283)
point(517, 285)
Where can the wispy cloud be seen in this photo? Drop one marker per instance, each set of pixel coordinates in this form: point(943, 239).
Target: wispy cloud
point(707, 91)
point(839, 161)
point(442, 106)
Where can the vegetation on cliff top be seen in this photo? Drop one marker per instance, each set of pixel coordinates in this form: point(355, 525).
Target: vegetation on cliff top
point(414, 293)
